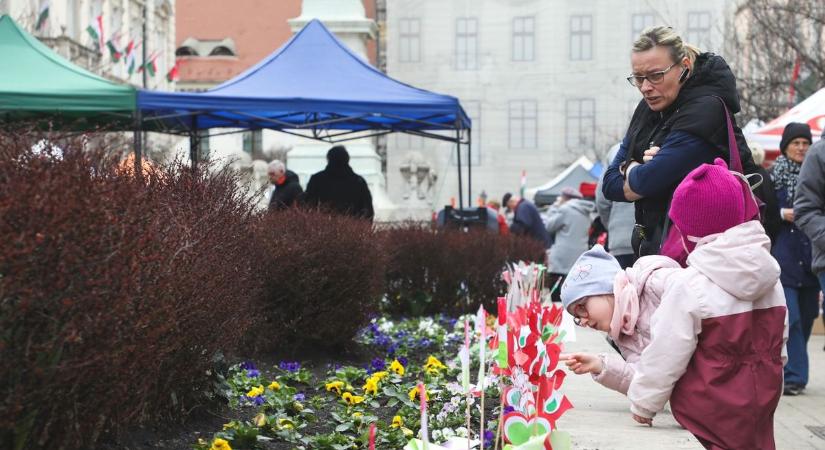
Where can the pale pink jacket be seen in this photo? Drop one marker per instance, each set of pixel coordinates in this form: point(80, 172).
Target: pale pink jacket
point(646, 283)
point(717, 343)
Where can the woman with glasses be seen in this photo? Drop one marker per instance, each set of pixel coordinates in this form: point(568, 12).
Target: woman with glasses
point(678, 125)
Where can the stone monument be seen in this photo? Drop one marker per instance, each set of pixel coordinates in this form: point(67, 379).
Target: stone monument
point(347, 20)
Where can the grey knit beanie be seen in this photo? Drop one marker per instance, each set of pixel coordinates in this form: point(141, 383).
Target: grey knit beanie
point(592, 274)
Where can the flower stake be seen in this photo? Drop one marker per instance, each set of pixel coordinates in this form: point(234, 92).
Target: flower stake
point(464, 356)
point(481, 324)
point(425, 435)
point(372, 436)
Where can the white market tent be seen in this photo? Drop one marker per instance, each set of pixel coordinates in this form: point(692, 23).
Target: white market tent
point(810, 111)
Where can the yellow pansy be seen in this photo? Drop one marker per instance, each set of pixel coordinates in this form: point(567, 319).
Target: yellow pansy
point(414, 393)
point(407, 432)
point(371, 386)
point(259, 420)
point(335, 386)
point(230, 425)
point(380, 375)
point(397, 367)
point(256, 391)
point(397, 422)
point(285, 424)
point(274, 386)
point(434, 363)
point(357, 415)
point(352, 399)
point(220, 444)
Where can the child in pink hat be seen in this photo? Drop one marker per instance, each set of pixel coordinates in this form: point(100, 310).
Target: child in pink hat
point(715, 344)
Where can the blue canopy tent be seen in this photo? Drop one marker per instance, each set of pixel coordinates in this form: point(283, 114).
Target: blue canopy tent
point(313, 86)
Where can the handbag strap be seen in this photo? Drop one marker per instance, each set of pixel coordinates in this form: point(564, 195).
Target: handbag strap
point(733, 147)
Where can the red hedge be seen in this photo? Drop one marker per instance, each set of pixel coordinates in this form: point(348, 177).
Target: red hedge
point(114, 291)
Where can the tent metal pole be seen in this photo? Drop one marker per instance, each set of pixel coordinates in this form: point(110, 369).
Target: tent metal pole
point(469, 168)
point(138, 138)
point(458, 156)
point(194, 143)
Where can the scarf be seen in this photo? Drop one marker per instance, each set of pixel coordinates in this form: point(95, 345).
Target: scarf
point(625, 307)
point(785, 175)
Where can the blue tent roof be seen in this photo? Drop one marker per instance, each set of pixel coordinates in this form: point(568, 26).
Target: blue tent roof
point(312, 82)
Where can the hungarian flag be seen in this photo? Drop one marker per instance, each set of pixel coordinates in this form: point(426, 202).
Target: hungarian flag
point(173, 75)
point(112, 46)
point(130, 60)
point(95, 30)
point(150, 66)
point(43, 15)
point(523, 182)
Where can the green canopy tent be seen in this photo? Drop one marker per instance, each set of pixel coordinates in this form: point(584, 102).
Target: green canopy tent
point(38, 84)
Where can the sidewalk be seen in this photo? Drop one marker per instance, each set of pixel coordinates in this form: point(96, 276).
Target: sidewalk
point(601, 418)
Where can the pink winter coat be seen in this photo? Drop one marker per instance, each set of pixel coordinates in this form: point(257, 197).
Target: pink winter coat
point(717, 343)
point(643, 283)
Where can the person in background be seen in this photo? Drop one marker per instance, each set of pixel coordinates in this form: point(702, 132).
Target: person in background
point(568, 220)
point(770, 213)
point(793, 251)
point(340, 189)
point(503, 229)
point(286, 189)
point(618, 218)
point(526, 219)
point(809, 206)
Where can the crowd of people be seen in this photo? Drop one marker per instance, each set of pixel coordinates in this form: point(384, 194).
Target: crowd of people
point(711, 279)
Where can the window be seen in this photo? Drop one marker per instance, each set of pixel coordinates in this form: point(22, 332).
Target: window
point(186, 51)
point(581, 123)
point(466, 43)
point(523, 124)
point(473, 109)
point(409, 40)
point(581, 38)
point(524, 38)
point(221, 50)
point(638, 23)
point(698, 29)
point(253, 141)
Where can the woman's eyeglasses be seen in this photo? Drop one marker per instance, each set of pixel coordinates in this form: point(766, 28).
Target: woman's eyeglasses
point(654, 78)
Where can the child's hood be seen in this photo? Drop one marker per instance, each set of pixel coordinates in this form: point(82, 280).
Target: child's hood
point(738, 260)
point(645, 275)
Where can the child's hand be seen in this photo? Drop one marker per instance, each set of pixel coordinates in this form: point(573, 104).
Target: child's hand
point(581, 363)
point(643, 420)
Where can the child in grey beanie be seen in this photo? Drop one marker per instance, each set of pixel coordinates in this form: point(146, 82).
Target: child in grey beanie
point(602, 296)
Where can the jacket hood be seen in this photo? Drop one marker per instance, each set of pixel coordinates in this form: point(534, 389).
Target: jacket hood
point(583, 206)
point(640, 273)
point(738, 260)
point(711, 77)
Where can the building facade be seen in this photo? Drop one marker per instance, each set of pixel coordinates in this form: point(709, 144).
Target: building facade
point(66, 30)
point(542, 80)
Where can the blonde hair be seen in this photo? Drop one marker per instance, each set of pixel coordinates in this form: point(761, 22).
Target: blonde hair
point(666, 37)
point(758, 152)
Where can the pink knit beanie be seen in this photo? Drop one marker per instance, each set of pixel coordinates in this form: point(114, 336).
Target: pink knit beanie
point(709, 200)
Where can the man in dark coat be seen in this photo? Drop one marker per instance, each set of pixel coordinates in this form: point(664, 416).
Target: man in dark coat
point(287, 189)
point(338, 188)
point(526, 219)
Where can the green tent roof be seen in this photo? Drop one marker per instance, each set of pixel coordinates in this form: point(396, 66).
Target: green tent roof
point(36, 82)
